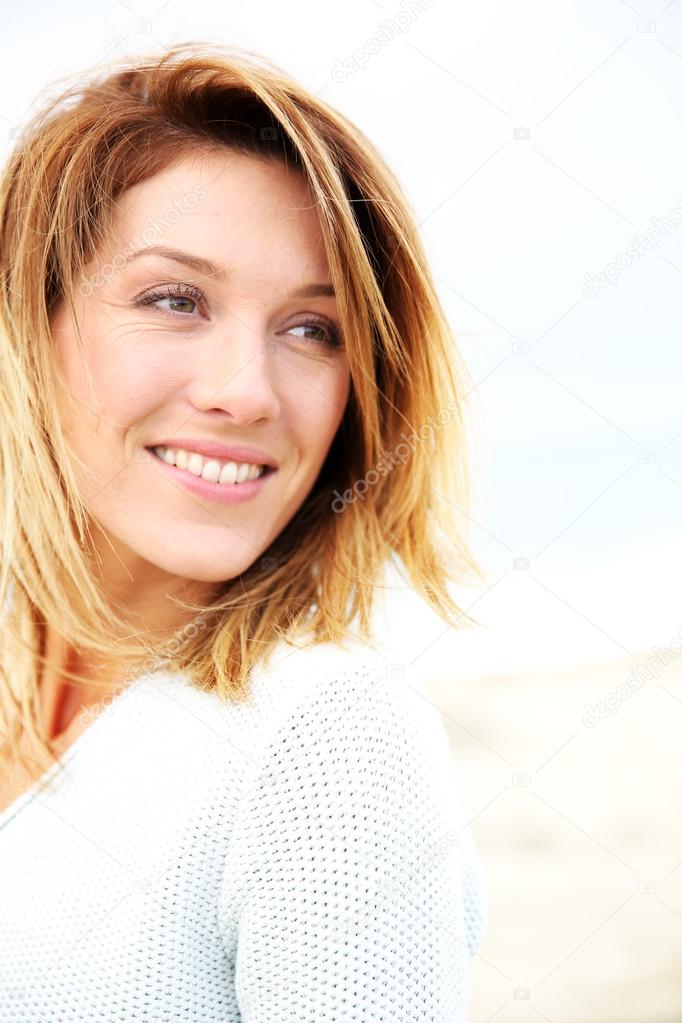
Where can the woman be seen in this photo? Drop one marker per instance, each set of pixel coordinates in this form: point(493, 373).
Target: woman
point(230, 403)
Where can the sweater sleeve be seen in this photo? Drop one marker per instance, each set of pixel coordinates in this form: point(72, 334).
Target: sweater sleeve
point(351, 889)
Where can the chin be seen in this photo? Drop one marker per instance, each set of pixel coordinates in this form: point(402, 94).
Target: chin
point(213, 570)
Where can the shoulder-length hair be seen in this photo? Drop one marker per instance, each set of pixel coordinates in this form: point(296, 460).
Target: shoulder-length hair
point(395, 483)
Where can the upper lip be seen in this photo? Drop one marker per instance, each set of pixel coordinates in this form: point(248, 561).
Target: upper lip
point(223, 452)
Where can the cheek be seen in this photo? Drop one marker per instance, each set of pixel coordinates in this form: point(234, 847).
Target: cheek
point(117, 388)
point(127, 388)
point(341, 392)
point(318, 412)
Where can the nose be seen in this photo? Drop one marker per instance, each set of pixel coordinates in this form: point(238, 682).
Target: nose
point(234, 372)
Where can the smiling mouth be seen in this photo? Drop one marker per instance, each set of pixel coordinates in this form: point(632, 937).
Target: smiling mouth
point(226, 491)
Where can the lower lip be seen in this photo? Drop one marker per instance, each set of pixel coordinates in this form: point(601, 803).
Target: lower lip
point(222, 493)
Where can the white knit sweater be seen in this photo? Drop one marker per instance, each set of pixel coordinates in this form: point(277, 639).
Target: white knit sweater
point(299, 858)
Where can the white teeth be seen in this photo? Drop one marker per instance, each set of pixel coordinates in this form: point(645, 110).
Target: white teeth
point(228, 473)
point(210, 469)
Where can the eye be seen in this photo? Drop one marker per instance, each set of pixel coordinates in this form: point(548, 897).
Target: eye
point(330, 335)
point(177, 294)
point(182, 295)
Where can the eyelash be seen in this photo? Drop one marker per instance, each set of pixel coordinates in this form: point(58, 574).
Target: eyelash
point(187, 291)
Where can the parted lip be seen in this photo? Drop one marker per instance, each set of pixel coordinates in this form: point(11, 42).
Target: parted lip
point(223, 452)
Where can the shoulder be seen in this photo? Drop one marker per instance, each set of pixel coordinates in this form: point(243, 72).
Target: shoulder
point(360, 761)
point(347, 705)
point(349, 876)
point(353, 700)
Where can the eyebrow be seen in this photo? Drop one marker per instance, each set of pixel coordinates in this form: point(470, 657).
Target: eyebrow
point(206, 266)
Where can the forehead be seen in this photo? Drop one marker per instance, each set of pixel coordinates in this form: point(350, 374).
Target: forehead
point(232, 208)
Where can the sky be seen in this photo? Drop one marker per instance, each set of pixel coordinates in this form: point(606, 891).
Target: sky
point(539, 147)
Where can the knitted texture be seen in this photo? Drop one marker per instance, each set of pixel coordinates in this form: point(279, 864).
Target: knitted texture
point(298, 858)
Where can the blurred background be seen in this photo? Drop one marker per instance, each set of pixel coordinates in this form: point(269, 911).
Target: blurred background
point(539, 145)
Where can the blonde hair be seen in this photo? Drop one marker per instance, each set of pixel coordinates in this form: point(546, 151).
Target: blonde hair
point(58, 193)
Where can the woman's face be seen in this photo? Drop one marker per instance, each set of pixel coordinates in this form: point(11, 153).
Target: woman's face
point(237, 355)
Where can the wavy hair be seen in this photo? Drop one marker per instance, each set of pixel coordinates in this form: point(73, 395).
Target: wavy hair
point(396, 481)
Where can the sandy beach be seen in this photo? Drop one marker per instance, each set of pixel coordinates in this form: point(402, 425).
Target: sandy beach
point(576, 818)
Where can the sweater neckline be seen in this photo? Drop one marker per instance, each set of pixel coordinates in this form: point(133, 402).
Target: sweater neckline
point(24, 798)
